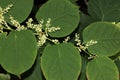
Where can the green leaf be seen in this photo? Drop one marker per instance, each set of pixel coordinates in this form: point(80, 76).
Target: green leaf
point(85, 20)
point(61, 62)
point(36, 73)
point(20, 10)
point(18, 52)
point(4, 76)
point(62, 13)
point(102, 68)
point(2, 39)
point(73, 1)
point(106, 34)
point(104, 10)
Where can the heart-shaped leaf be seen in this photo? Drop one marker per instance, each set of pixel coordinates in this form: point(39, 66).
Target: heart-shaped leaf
point(18, 52)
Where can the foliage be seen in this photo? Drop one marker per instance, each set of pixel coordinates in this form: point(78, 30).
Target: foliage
point(58, 41)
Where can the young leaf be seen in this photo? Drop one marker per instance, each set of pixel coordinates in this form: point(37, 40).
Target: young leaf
point(105, 10)
point(102, 68)
point(62, 13)
point(20, 10)
point(107, 36)
point(18, 52)
point(61, 62)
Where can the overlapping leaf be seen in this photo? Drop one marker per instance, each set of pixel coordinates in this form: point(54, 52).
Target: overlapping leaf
point(106, 34)
point(62, 13)
point(61, 62)
point(102, 68)
point(20, 10)
point(104, 10)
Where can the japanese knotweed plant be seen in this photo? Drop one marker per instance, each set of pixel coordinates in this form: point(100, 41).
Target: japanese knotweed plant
point(63, 44)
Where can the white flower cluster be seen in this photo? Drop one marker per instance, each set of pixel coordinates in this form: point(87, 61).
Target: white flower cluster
point(2, 13)
point(41, 30)
point(77, 39)
point(56, 41)
point(17, 24)
point(81, 46)
point(50, 28)
point(53, 29)
point(66, 39)
point(91, 42)
point(43, 35)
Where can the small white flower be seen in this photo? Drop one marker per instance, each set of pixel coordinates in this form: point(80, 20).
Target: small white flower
point(41, 21)
point(17, 24)
point(66, 39)
point(42, 39)
point(55, 41)
point(48, 23)
point(77, 39)
point(5, 10)
point(2, 13)
point(53, 29)
point(91, 42)
point(29, 23)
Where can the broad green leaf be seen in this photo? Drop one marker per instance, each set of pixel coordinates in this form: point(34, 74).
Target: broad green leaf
point(106, 34)
point(20, 10)
point(102, 68)
point(104, 10)
point(4, 76)
point(62, 13)
point(61, 62)
point(2, 39)
point(36, 73)
point(18, 52)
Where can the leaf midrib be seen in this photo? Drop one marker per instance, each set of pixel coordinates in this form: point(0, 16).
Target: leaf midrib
point(60, 61)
